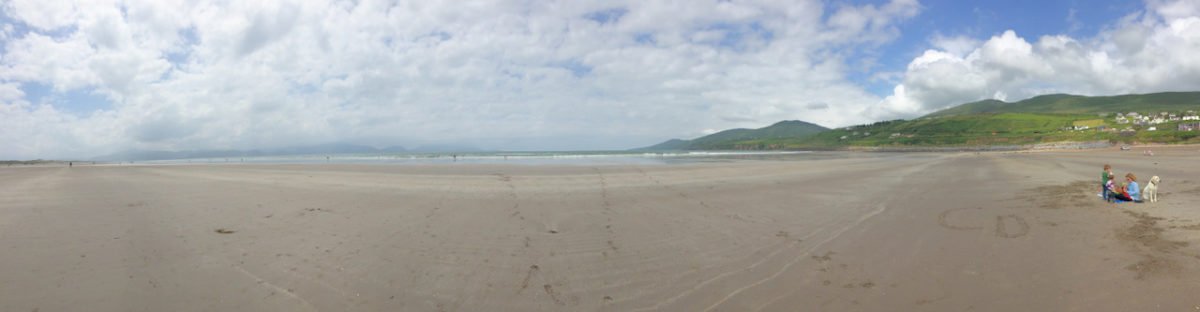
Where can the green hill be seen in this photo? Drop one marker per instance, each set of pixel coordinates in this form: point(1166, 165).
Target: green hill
point(788, 129)
point(964, 130)
point(1041, 119)
point(985, 129)
point(1075, 104)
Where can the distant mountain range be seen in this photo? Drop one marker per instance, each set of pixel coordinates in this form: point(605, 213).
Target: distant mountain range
point(320, 149)
point(1041, 119)
point(728, 139)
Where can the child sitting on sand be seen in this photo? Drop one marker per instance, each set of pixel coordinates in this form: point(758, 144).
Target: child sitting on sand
point(1129, 191)
point(1120, 193)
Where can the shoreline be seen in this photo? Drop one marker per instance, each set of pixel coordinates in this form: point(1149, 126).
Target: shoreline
point(566, 155)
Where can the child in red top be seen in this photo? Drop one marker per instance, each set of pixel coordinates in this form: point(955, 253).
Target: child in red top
point(1121, 194)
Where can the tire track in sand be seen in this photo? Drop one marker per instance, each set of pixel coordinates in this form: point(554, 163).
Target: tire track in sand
point(681, 194)
point(880, 209)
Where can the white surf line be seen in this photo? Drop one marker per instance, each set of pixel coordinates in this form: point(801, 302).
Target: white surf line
point(277, 289)
point(877, 211)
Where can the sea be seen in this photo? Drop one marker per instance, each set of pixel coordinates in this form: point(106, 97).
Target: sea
point(522, 158)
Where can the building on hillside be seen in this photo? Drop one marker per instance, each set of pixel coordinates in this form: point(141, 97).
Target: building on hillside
point(1191, 117)
point(1152, 129)
point(1190, 126)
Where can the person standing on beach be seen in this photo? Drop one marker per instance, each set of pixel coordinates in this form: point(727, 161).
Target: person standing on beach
point(1105, 176)
point(1110, 191)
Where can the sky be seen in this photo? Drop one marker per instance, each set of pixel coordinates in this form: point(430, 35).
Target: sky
point(90, 78)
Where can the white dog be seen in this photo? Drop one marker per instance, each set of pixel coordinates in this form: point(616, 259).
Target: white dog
point(1150, 193)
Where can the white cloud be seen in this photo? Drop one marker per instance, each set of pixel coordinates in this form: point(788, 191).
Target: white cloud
point(571, 74)
point(854, 21)
point(44, 15)
point(959, 46)
point(1151, 51)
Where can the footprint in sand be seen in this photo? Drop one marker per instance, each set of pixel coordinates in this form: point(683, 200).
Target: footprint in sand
point(525, 284)
point(553, 295)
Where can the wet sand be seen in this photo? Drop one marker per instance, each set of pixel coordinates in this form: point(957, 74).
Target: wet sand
point(855, 232)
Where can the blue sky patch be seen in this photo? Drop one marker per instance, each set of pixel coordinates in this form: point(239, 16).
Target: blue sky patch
point(577, 68)
point(78, 101)
point(606, 16)
point(1030, 19)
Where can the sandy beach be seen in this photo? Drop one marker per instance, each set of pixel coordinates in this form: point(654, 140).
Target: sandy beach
point(1013, 231)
